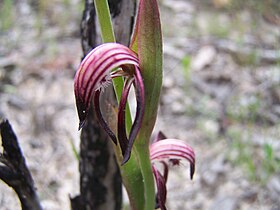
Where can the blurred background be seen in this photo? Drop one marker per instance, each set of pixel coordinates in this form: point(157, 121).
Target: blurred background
point(221, 94)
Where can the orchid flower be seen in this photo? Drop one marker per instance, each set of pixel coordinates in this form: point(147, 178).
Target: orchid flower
point(99, 67)
point(139, 65)
point(168, 151)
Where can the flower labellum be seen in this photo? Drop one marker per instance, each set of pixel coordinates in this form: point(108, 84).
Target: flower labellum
point(95, 73)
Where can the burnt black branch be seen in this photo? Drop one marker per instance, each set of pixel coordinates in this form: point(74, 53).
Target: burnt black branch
point(14, 171)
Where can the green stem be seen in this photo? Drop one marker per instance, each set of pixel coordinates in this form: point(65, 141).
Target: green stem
point(104, 18)
point(148, 178)
point(132, 179)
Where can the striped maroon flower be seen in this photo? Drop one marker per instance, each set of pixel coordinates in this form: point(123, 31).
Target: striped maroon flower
point(168, 151)
point(99, 67)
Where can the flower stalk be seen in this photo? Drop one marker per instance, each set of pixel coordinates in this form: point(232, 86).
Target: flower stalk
point(131, 172)
point(147, 42)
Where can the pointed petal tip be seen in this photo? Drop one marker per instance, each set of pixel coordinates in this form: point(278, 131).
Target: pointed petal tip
point(159, 136)
point(81, 124)
point(126, 157)
point(192, 170)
